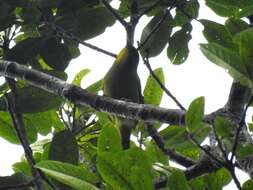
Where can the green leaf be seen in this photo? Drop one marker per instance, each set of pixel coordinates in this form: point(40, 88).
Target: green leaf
point(109, 138)
point(79, 76)
point(178, 49)
point(224, 127)
point(217, 180)
point(248, 185)
point(155, 41)
point(155, 154)
point(215, 32)
point(86, 22)
point(95, 87)
point(153, 92)
point(175, 136)
point(32, 100)
point(22, 167)
point(177, 181)
point(191, 8)
point(201, 133)
point(25, 50)
point(235, 26)
point(229, 60)
point(195, 114)
point(73, 48)
point(45, 121)
point(222, 8)
point(64, 148)
point(245, 12)
point(55, 54)
point(126, 170)
point(74, 176)
point(250, 126)
point(245, 150)
point(231, 8)
point(244, 40)
point(197, 183)
point(8, 132)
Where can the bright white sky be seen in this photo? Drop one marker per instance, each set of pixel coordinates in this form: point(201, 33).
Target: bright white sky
point(196, 77)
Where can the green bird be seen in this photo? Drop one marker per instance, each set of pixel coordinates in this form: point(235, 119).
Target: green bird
point(122, 82)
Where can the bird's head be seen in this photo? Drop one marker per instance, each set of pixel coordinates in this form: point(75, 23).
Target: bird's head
point(128, 56)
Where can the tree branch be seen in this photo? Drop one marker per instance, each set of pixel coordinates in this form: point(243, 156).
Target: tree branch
point(20, 130)
point(65, 34)
point(149, 8)
point(17, 186)
point(146, 62)
point(82, 97)
point(115, 14)
point(180, 159)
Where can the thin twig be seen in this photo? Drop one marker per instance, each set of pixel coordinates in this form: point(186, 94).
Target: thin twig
point(74, 117)
point(180, 159)
point(149, 8)
point(65, 34)
point(62, 117)
point(239, 128)
point(115, 14)
point(156, 27)
point(231, 169)
point(206, 151)
point(85, 127)
point(220, 144)
point(146, 62)
point(186, 14)
point(20, 130)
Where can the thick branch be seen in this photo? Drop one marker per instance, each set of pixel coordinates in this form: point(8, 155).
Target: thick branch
point(238, 97)
point(20, 130)
point(17, 186)
point(82, 97)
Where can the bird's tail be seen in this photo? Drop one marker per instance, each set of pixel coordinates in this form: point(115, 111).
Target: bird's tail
point(125, 132)
point(125, 127)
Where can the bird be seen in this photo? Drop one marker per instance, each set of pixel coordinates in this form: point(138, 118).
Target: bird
point(122, 82)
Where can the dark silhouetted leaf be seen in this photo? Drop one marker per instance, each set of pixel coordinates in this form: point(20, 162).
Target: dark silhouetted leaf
point(64, 148)
point(178, 49)
point(86, 22)
point(25, 50)
point(155, 41)
point(55, 54)
point(191, 8)
point(32, 100)
point(235, 26)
